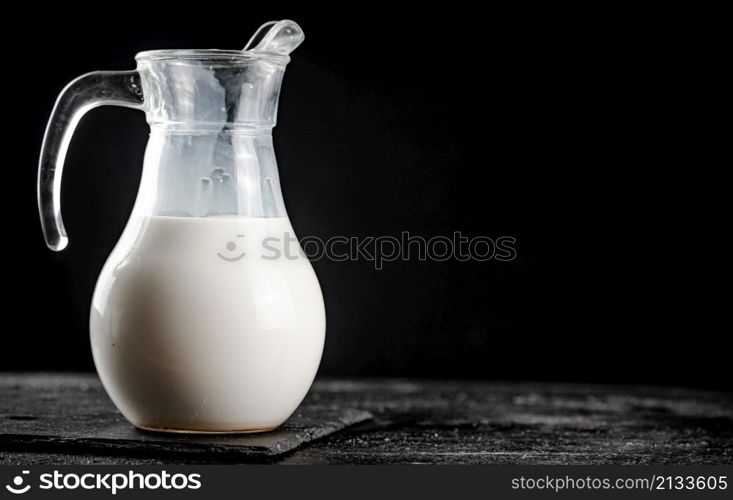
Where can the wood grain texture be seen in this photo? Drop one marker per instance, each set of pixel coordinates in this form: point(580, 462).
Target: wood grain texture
point(413, 422)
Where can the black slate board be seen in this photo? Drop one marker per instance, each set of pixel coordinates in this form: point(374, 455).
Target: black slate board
point(72, 412)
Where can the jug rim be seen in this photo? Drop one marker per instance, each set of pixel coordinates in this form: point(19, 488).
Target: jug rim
point(210, 55)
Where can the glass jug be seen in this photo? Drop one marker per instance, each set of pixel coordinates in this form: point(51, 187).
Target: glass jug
point(206, 316)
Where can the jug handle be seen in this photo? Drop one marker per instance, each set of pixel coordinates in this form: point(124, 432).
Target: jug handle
point(118, 88)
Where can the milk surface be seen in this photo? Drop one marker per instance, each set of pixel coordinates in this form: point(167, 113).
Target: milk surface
point(207, 324)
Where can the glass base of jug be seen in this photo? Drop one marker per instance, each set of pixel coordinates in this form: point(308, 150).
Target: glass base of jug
point(171, 430)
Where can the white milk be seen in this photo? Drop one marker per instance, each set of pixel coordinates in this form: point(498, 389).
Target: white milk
point(190, 334)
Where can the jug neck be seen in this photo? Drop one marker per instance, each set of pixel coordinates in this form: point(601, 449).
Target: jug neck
point(211, 128)
point(202, 172)
point(210, 89)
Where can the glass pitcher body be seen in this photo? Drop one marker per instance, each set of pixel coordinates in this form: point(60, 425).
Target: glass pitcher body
point(206, 317)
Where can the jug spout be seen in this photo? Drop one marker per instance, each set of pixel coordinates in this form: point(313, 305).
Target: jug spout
point(279, 37)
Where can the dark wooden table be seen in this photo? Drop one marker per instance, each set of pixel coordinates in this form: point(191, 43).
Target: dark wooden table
point(68, 419)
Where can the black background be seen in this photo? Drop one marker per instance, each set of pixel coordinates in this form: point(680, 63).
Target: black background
point(583, 135)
